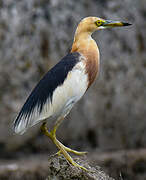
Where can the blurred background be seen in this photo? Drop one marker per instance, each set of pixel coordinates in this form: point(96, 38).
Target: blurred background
point(110, 120)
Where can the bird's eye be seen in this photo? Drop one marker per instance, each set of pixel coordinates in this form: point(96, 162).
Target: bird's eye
point(98, 23)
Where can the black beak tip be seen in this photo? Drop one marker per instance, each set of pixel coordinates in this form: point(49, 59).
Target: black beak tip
point(126, 24)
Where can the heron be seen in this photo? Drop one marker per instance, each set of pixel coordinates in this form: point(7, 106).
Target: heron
point(64, 85)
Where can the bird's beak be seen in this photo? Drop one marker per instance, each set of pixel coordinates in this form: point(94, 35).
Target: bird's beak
point(109, 23)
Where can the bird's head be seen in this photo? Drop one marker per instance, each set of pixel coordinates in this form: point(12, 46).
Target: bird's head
point(91, 24)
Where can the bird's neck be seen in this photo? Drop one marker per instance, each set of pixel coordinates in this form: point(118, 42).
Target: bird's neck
point(82, 42)
point(86, 46)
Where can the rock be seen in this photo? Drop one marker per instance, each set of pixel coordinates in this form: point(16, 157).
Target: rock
point(60, 169)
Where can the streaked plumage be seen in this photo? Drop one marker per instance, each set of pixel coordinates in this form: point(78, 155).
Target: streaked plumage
point(58, 91)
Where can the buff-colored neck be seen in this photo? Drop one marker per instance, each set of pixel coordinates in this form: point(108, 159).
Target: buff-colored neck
point(83, 41)
point(86, 46)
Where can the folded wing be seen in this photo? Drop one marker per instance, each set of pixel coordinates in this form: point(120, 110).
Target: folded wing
point(38, 106)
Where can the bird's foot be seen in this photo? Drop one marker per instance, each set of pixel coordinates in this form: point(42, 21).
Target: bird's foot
point(77, 165)
point(73, 162)
point(78, 153)
point(62, 149)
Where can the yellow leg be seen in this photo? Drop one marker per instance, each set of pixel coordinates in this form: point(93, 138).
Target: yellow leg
point(61, 147)
point(72, 151)
point(66, 148)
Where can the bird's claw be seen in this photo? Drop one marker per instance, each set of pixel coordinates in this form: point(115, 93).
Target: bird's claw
point(58, 153)
point(72, 151)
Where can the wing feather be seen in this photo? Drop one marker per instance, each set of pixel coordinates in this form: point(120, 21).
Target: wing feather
point(38, 106)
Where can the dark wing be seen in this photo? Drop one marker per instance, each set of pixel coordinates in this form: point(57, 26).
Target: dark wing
point(41, 97)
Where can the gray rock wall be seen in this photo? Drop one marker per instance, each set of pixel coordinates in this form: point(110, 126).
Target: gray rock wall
point(35, 34)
